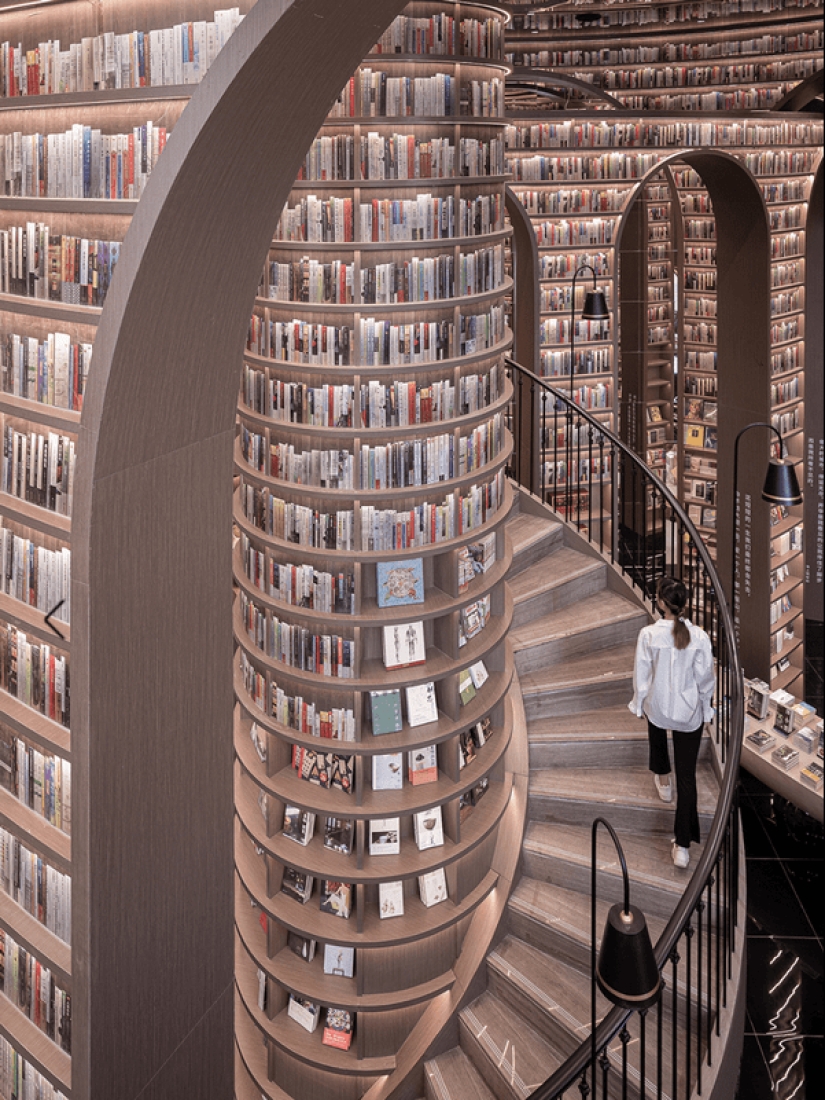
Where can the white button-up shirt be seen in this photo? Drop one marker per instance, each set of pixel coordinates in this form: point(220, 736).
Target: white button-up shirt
point(673, 687)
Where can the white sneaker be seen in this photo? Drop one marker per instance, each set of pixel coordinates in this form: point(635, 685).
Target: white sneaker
point(681, 856)
point(663, 787)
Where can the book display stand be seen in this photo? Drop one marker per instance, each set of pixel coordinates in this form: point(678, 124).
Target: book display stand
point(370, 456)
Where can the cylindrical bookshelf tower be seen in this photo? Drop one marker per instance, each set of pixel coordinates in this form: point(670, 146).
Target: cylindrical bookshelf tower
point(371, 613)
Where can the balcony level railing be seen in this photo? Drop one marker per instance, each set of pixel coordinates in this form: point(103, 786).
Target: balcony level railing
point(570, 460)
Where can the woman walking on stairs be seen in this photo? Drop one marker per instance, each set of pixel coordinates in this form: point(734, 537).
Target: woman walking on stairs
point(673, 682)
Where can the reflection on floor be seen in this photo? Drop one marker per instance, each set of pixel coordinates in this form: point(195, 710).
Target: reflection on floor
point(783, 1051)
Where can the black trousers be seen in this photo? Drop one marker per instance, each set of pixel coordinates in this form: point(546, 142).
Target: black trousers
point(685, 755)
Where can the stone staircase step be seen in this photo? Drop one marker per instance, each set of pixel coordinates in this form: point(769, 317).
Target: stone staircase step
point(557, 920)
point(533, 538)
point(575, 796)
point(452, 1076)
point(555, 582)
point(561, 854)
point(553, 996)
point(598, 679)
point(556, 1000)
point(597, 622)
point(511, 1056)
point(607, 737)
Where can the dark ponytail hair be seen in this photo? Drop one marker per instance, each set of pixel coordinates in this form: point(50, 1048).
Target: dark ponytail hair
point(673, 595)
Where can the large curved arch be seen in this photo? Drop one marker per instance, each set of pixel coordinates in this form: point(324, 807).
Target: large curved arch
point(743, 342)
point(151, 721)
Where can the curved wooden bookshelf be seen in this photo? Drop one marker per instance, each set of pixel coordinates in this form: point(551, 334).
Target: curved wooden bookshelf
point(382, 1016)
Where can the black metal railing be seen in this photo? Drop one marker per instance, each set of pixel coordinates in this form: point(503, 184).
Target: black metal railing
point(566, 457)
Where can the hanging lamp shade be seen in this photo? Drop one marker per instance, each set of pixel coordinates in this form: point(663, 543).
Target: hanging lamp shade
point(626, 971)
point(595, 306)
point(781, 484)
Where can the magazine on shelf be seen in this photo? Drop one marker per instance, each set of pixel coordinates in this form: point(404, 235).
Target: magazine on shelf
point(388, 771)
point(432, 887)
point(338, 834)
point(337, 1028)
point(422, 704)
point(404, 645)
point(384, 836)
point(303, 1011)
point(303, 946)
point(428, 827)
point(422, 765)
point(336, 898)
point(339, 960)
point(385, 710)
point(299, 825)
point(400, 582)
point(390, 899)
point(297, 884)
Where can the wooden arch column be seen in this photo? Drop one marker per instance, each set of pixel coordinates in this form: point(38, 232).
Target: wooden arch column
point(151, 623)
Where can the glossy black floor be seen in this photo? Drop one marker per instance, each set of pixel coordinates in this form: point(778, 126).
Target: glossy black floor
point(783, 1051)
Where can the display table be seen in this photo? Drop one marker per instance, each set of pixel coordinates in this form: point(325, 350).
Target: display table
point(788, 784)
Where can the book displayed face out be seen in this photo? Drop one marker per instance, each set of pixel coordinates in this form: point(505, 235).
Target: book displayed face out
point(400, 582)
point(404, 645)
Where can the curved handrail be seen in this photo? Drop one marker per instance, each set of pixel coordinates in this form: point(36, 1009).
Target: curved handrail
point(730, 706)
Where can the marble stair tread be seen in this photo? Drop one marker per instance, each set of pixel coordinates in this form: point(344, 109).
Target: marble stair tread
point(452, 1076)
point(511, 1050)
point(562, 854)
point(628, 786)
point(532, 538)
point(596, 667)
point(599, 724)
point(583, 618)
point(564, 567)
point(556, 997)
point(565, 912)
point(553, 995)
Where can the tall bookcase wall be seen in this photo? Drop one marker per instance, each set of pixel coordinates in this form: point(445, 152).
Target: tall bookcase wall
point(697, 459)
point(88, 96)
point(646, 272)
point(370, 513)
point(596, 159)
point(728, 56)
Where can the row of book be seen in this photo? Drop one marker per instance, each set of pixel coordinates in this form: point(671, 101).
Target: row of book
point(39, 468)
point(375, 342)
point(563, 169)
point(180, 54)
point(40, 780)
point(31, 986)
point(381, 405)
point(19, 1078)
point(407, 156)
point(573, 200)
point(43, 891)
point(35, 674)
point(440, 34)
point(35, 263)
point(584, 470)
point(564, 265)
point(543, 19)
point(427, 279)
point(426, 524)
point(81, 163)
point(573, 134)
point(291, 522)
point(52, 371)
point(787, 302)
point(36, 575)
point(296, 646)
point(557, 330)
point(300, 585)
point(556, 364)
point(559, 299)
point(294, 711)
point(572, 234)
point(338, 1022)
point(628, 54)
point(426, 217)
